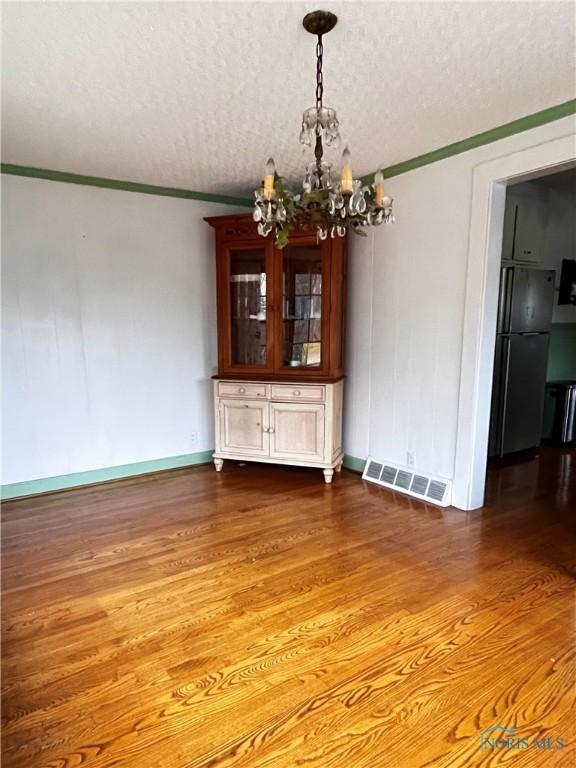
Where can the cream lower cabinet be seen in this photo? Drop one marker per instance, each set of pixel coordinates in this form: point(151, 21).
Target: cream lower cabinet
point(279, 423)
point(297, 431)
point(244, 427)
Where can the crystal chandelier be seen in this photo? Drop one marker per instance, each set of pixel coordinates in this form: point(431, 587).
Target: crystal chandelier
point(329, 204)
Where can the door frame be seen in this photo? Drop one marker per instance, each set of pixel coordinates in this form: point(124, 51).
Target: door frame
point(481, 301)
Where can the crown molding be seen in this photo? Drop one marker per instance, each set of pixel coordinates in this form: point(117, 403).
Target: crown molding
point(557, 112)
point(126, 186)
point(525, 123)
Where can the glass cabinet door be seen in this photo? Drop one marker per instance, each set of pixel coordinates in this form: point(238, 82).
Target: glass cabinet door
point(248, 317)
point(302, 306)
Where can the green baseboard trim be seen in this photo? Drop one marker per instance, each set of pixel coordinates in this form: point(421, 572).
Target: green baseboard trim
point(356, 465)
point(94, 476)
point(525, 123)
point(61, 482)
point(126, 186)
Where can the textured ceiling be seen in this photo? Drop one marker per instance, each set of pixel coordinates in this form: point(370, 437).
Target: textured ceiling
point(198, 95)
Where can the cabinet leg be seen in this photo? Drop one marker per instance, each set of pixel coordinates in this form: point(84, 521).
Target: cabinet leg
point(328, 475)
point(338, 467)
point(218, 464)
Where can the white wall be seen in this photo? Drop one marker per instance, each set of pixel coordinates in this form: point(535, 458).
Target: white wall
point(406, 312)
point(109, 322)
point(109, 327)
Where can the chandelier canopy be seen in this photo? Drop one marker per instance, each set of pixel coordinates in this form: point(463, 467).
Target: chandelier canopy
point(330, 204)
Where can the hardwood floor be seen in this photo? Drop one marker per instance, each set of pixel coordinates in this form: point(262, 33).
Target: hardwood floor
point(259, 618)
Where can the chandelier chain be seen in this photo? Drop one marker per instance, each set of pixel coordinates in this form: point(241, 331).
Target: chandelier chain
point(319, 81)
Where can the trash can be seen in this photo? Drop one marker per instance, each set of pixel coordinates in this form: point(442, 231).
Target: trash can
point(560, 412)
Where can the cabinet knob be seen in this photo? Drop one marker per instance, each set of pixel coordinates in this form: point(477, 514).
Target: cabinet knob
point(296, 393)
point(242, 390)
point(270, 429)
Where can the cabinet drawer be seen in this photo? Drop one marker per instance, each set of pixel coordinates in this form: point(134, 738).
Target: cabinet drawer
point(294, 392)
point(242, 389)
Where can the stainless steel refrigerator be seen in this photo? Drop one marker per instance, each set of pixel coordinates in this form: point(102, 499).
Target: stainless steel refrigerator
point(521, 358)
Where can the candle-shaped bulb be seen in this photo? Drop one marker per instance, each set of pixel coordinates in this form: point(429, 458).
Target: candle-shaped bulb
point(269, 179)
point(378, 187)
point(346, 177)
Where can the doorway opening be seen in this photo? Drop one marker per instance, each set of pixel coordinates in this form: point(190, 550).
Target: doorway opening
point(534, 381)
point(491, 181)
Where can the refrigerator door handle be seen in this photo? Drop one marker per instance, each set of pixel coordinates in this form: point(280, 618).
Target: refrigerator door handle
point(505, 299)
point(506, 342)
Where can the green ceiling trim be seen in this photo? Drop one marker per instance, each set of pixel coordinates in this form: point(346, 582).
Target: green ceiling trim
point(126, 186)
point(487, 137)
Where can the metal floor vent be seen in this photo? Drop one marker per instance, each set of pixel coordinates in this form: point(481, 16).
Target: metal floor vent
point(433, 489)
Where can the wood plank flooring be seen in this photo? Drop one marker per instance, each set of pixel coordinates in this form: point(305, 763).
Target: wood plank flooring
point(261, 619)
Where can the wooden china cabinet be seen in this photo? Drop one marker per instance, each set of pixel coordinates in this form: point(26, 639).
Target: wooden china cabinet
point(278, 392)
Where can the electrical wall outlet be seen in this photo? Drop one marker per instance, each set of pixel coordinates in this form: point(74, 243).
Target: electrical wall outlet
point(193, 438)
point(410, 459)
